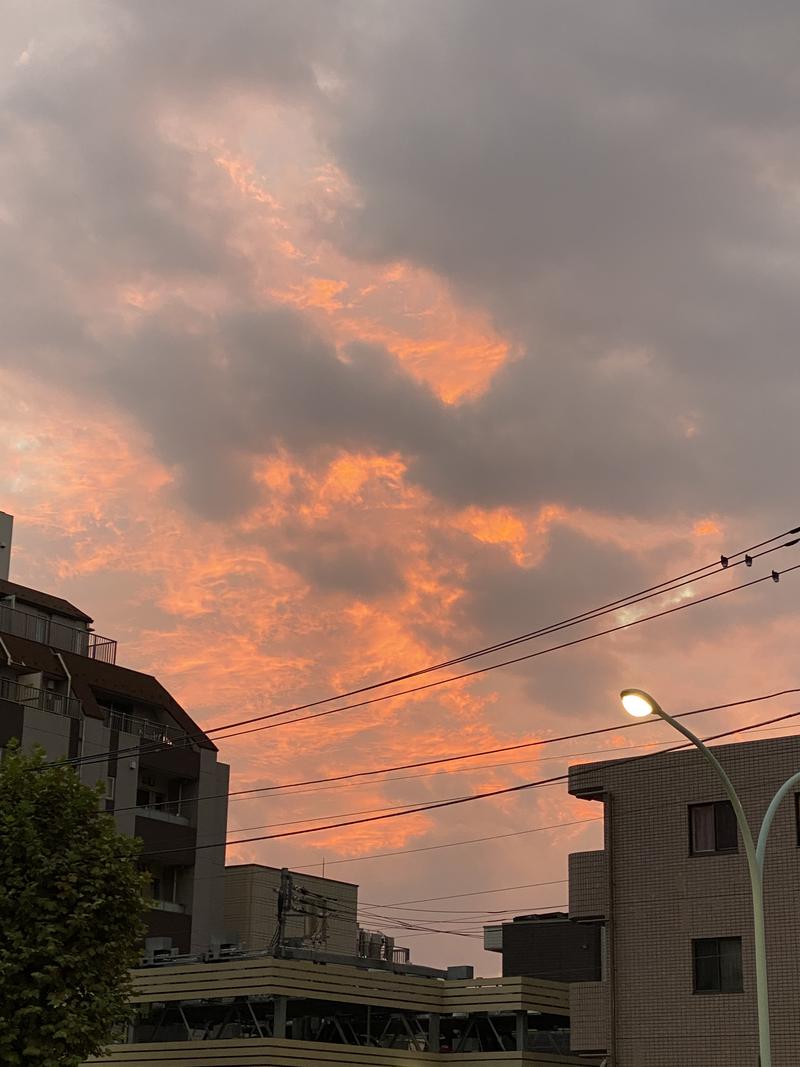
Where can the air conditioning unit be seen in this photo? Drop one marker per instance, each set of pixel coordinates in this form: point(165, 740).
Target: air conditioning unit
point(159, 950)
point(224, 950)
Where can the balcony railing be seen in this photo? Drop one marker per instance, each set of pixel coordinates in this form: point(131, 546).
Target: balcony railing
point(57, 634)
point(41, 699)
point(146, 728)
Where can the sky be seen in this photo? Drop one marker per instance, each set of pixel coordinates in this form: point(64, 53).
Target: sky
point(340, 337)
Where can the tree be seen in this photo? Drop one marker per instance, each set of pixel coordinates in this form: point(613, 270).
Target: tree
point(71, 915)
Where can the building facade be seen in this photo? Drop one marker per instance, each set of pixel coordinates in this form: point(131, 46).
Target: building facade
point(670, 892)
point(547, 945)
point(319, 913)
point(261, 1010)
point(61, 688)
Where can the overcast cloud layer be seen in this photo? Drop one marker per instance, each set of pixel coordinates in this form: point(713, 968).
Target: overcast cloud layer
point(364, 332)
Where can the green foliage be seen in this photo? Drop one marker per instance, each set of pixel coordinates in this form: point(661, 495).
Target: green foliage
point(71, 915)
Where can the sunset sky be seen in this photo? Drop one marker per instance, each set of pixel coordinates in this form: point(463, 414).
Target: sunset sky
point(343, 337)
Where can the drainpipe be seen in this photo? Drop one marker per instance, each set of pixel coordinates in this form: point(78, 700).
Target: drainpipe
point(66, 671)
point(7, 653)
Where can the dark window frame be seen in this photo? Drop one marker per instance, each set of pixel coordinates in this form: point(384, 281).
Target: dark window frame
point(725, 986)
point(728, 850)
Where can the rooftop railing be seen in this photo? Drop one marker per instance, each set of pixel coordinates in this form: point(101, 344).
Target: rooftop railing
point(41, 699)
point(57, 634)
point(146, 728)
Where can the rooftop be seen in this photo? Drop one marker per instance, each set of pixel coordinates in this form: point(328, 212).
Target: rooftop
point(37, 599)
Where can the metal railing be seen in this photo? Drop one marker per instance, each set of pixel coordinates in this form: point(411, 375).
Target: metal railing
point(145, 728)
point(41, 699)
point(57, 634)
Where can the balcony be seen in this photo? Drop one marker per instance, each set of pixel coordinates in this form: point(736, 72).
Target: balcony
point(169, 812)
point(144, 728)
point(167, 905)
point(41, 699)
point(57, 634)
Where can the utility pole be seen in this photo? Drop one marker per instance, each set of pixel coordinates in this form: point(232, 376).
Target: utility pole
point(285, 904)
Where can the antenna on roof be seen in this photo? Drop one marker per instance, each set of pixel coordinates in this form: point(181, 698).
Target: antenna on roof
point(6, 529)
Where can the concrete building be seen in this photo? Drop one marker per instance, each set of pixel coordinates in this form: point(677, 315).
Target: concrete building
point(671, 893)
point(61, 688)
point(302, 916)
point(547, 945)
point(288, 1013)
point(321, 914)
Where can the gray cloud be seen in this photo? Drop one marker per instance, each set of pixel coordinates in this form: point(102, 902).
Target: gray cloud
point(607, 182)
point(614, 186)
point(244, 385)
point(335, 559)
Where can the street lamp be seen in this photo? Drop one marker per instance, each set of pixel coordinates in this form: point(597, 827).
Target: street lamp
point(639, 705)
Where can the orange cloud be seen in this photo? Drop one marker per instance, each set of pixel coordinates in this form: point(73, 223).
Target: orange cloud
point(707, 528)
point(452, 348)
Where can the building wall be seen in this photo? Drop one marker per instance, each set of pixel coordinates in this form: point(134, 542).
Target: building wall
point(662, 898)
point(556, 950)
point(211, 820)
point(6, 531)
point(251, 909)
point(50, 731)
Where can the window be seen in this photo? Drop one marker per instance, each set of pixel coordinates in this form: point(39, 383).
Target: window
point(717, 964)
point(712, 828)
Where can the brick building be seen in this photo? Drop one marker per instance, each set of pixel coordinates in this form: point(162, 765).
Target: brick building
point(670, 892)
point(61, 688)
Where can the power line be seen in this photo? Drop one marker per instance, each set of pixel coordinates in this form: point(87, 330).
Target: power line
point(774, 576)
point(585, 616)
point(724, 564)
point(481, 767)
point(411, 804)
point(506, 791)
point(344, 815)
point(473, 893)
point(351, 775)
point(444, 844)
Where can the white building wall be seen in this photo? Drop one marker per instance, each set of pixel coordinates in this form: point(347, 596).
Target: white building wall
point(209, 871)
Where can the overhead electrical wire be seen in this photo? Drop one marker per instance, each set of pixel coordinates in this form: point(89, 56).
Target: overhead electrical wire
point(351, 775)
point(476, 768)
point(434, 806)
point(410, 804)
point(441, 845)
point(774, 576)
point(748, 557)
point(471, 893)
point(586, 616)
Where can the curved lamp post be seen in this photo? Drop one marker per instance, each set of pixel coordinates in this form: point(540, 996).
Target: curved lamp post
point(639, 705)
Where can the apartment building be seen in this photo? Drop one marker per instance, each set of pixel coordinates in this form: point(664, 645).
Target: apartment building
point(62, 688)
point(670, 894)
